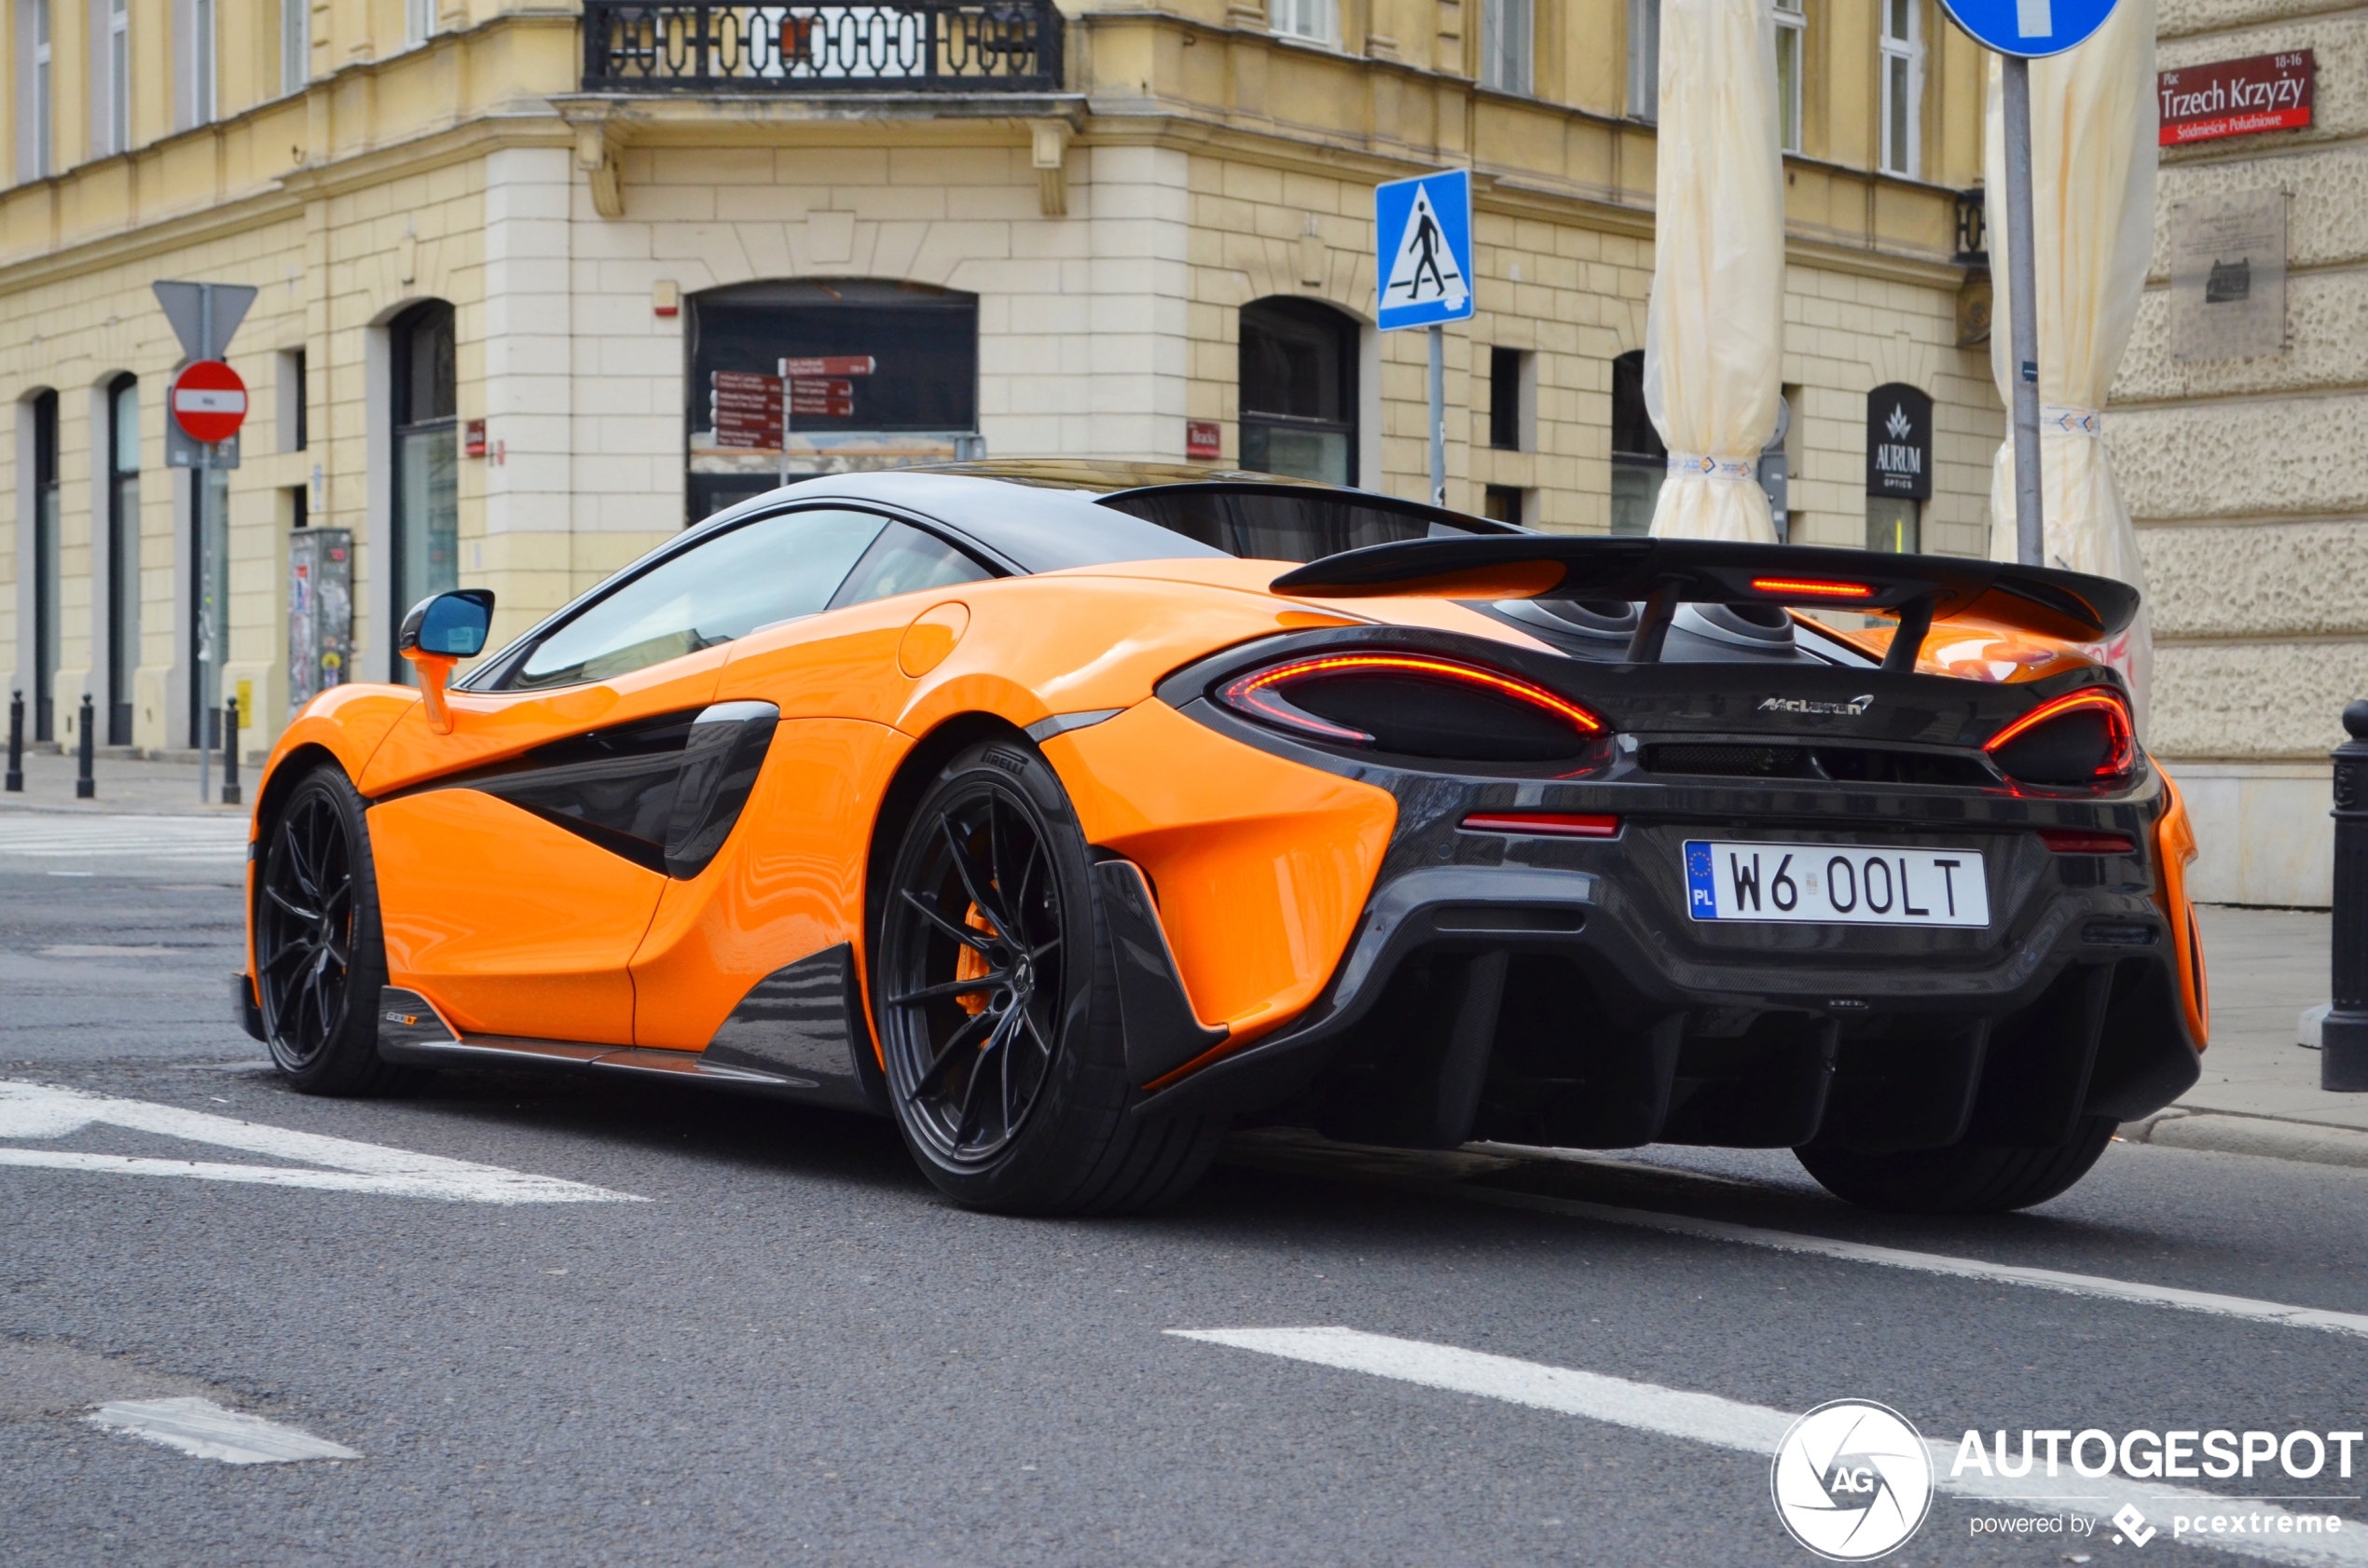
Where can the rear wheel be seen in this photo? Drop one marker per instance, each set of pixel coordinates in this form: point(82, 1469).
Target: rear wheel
point(1962, 1178)
point(997, 998)
point(318, 952)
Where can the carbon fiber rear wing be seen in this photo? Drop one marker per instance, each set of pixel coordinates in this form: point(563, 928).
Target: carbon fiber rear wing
point(1663, 573)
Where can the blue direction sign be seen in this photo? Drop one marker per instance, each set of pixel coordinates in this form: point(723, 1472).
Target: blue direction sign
point(2031, 29)
point(1423, 228)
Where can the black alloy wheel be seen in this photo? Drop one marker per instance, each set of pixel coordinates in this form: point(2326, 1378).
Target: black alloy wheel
point(319, 959)
point(982, 978)
point(995, 997)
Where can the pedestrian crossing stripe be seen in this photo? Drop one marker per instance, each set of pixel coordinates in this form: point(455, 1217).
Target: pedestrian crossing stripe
point(47, 836)
point(1422, 271)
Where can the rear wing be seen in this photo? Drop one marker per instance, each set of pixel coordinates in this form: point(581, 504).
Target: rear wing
point(1663, 573)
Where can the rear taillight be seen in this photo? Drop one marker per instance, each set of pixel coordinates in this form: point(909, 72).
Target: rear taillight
point(1415, 705)
point(2083, 738)
point(2081, 840)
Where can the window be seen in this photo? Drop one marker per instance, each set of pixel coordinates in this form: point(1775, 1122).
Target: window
point(1502, 503)
point(1508, 41)
point(44, 107)
point(118, 137)
point(123, 554)
point(1903, 87)
point(1894, 523)
point(1299, 391)
point(419, 21)
point(747, 577)
point(1791, 22)
point(1639, 460)
point(1318, 21)
point(1644, 59)
point(202, 62)
point(49, 584)
point(296, 45)
point(1510, 397)
point(919, 403)
point(1271, 522)
point(427, 460)
point(291, 401)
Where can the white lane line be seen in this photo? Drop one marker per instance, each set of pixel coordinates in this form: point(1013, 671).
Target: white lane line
point(2099, 1286)
point(203, 1429)
point(34, 1111)
point(1728, 1424)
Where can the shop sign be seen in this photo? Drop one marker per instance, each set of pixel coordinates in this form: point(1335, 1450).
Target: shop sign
point(2235, 97)
point(1899, 442)
point(1203, 439)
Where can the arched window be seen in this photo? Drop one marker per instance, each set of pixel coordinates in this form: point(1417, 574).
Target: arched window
point(1299, 391)
point(123, 553)
point(48, 582)
point(1639, 460)
point(427, 460)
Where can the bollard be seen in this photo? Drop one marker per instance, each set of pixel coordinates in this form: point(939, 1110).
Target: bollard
point(230, 752)
point(2343, 1038)
point(16, 743)
point(85, 787)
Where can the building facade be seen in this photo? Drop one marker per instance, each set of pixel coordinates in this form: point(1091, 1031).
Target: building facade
point(510, 258)
point(2240, 453)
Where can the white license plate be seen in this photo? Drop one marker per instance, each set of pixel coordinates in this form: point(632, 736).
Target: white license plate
point(1834, 884)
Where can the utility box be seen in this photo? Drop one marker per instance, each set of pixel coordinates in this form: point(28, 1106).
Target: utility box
point(320, 613)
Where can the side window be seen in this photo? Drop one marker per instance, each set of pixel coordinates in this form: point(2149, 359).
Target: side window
point(905, 560)
point(759, 574)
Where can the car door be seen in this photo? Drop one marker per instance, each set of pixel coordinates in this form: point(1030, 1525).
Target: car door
point(520, 857)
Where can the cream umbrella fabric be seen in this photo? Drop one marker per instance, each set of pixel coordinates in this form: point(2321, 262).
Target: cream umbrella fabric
point(2093, 154)
point(1714, 334)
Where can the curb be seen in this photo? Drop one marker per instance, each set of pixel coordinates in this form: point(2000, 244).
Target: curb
point(2221, 1133)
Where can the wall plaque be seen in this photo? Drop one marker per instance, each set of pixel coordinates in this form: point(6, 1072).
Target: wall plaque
point(2228, 275)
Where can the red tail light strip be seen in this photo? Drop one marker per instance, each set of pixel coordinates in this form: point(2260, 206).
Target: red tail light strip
point(1249, 691)
point(2108, 702)
point(2079, 841)
point(1548, 824)
point(1809, 588)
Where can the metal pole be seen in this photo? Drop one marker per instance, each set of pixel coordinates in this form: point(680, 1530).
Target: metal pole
point(2343, 1038)
point(16, 743)
point(2022, 305)
point(205, 635)
point(1439, 415)
point(85, 787)
point(231, 751)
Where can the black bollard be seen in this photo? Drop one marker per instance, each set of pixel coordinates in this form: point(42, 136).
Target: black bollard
point(2343, 1054)
point(230, 752)
point(16, 743)
point(84, 787)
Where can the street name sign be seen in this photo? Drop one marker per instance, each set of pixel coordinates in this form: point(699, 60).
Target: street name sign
point(1423, 230)
point(2029, 29)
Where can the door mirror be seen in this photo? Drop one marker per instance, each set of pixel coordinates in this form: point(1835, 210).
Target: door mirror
point(449, 626)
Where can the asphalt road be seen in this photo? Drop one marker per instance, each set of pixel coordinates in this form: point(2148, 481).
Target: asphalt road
point(791, 1351)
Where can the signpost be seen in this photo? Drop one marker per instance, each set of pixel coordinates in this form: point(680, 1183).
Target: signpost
point(1423, 230)
point(2023, 31)
point(207, 403)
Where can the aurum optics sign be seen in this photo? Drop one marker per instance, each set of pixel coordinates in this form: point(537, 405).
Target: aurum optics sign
point(1899, 442)
point(2235, 97)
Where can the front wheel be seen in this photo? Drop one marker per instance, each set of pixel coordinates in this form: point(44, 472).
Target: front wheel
point(318, 954)
point(995, 995)
point(1961, 1178)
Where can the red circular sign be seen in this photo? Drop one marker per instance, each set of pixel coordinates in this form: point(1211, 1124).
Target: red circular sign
point(209, 400)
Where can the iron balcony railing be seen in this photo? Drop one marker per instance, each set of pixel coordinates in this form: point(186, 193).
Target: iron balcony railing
point(910, 46)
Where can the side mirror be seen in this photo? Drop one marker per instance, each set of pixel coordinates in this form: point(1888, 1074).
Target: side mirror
point(441, 630)
point(451, 625)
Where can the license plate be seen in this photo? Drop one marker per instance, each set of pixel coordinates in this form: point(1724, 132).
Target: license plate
point(1834, 884)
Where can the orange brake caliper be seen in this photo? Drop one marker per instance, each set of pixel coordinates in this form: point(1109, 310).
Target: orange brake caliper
point(970, 964)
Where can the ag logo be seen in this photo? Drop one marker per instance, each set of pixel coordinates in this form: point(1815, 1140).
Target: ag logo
point(1851, 1480)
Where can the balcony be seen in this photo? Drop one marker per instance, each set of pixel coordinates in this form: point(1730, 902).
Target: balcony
point(913, 45)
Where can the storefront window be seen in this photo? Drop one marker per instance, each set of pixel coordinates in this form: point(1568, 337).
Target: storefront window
point(427, 460)
point(890, 378)
point(123, 554)
point(48, 585)
point(1639, 460)
point(1299, 391)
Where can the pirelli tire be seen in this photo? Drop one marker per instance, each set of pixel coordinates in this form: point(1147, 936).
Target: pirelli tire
point(996, 992)
point(1961, 1178)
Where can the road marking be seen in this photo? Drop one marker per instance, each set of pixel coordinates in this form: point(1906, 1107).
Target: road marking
point(173, 840)
point(95, 950)
point(201, 1428)
point(2355, 1323)
point(34, 1111)
point(1728, 1424)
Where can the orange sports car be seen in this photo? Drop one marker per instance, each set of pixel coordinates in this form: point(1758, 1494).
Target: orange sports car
point(1072, 814)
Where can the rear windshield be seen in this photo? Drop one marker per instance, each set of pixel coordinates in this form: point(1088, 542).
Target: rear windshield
point(1289, 523)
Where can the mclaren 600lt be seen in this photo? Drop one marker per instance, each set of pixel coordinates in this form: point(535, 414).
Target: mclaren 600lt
point(1071, 815)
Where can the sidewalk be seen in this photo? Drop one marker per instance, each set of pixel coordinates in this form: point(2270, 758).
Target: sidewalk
point(143, 788)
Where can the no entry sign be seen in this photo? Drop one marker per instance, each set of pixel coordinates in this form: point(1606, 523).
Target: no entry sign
point(209, 401)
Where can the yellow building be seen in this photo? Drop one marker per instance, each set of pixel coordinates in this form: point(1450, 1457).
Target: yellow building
point(503, 252)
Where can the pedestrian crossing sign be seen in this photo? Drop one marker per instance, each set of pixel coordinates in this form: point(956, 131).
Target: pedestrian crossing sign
point(1423, 228)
